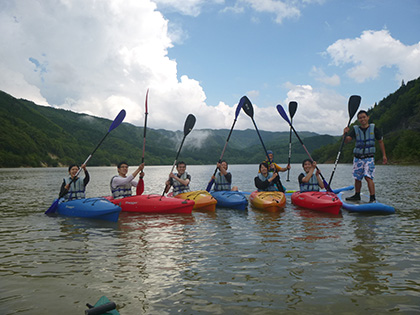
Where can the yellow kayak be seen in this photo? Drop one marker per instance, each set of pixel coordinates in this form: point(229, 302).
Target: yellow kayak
point(203, 200)
point(268, 200)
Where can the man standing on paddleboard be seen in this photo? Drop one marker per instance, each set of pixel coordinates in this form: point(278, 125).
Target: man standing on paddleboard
point(364, 154)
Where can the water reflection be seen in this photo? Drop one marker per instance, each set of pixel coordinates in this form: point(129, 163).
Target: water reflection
point(294, 261)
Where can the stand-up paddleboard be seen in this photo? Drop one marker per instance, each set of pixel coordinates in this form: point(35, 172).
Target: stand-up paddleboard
point(364, 206)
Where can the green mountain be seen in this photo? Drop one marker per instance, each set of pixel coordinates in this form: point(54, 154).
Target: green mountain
point(32, 135)
point(398, 117)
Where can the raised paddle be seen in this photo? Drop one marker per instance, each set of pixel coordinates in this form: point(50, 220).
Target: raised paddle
point(292, 110)
point(188, 126)
point(238, 109)
point(284, 115)
point(353, 106)
point(117, 121)
point(249, 110)
point(140, 184)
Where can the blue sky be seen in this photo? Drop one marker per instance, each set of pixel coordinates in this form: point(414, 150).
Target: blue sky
point(200, 57)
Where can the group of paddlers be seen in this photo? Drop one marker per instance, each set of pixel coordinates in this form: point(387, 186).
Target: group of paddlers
point(268, 178)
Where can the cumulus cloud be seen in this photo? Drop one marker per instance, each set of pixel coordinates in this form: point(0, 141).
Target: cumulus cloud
point(98, 57)
point(375, 50)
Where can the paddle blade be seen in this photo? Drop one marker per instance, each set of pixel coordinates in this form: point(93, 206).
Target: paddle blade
point(147, 95)
point(118, 120)
point(189, 124)
point(283, 114)
point(292, 108)
point(140, 187)
point(354, 103)
point(53, 207)
point(247, 106)
point(210, 184)
point(238, 108)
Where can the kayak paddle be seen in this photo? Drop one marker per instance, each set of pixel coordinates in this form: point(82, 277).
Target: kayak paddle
point(292, 110)
point(140, 184)
point(188, 126)
point(353, 106)
point(117, 121)
point(238, 109)
point(249, 110)
point(284, 115)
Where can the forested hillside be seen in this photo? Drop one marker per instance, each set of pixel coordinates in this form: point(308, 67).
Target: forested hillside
point(398, 116)
point(34, 136)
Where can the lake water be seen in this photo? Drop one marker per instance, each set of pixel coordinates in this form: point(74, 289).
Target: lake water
point(228, 262)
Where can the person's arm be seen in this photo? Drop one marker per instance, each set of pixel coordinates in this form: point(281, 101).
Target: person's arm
point(228, 177)
point(261, 184)
point(168, 185)
point(87, 176)
point(349, 136)
point(121, 181)
point(382, 147)
point(63, 189)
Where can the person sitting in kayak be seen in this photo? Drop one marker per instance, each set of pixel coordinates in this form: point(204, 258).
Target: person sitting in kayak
point(267, 180)
point(121, 184)
point(273, 166)
point(310, 181)
point(223, 178)
point(179, 181)
point(77, 188)
point(364, 154)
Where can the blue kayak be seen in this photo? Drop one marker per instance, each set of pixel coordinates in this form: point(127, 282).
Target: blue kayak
point(364, 206)
point(94, 208)
point(230, 199)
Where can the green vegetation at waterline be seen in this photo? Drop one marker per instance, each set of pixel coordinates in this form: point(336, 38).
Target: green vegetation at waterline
point(32, 136)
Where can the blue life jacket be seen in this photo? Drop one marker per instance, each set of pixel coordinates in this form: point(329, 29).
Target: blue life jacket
point(311, 185)
point(365, 142)
point(76, 190)
point(220, 183)
point(271, 187)
point(178, 188)
point(120, 191)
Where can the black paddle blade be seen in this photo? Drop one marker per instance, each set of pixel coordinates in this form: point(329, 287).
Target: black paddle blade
point(247, 106)
point(292, 108)
point(189, 124)
point(354, 103)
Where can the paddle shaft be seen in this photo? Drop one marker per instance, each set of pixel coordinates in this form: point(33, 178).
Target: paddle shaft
point(290, 151)
point(339, 152)
point(327, 186)
point(277, 182)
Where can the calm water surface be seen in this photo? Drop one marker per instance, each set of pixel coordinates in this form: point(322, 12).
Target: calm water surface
point(228, 262)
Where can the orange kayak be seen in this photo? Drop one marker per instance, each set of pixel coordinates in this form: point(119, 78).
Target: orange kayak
point(268, 200)
point(203, 200)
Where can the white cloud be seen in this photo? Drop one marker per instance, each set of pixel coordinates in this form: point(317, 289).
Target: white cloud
point(281, 9)
point(320, 75)
point(371, 52)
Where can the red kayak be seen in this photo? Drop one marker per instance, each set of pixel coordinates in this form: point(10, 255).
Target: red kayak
point(317, 200)
point(153, 204)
